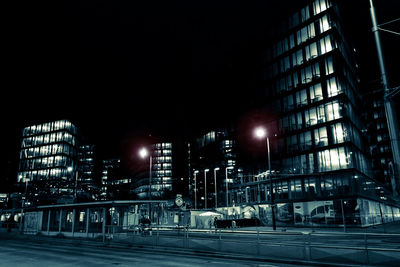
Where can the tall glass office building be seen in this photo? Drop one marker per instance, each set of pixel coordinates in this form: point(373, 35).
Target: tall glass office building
point(161, 173)
point(162, 167)
point(48, 158)
point(322, 173)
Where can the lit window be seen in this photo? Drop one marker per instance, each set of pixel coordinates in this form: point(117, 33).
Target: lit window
point(320, 6)
point(324, 24)
point(305, 14)
point(333, 111)
point(301, 98)
point(297, 58)
point(311, 116)
point(305, 33)
point(321, 137)
point(333, 87)
point(311, 51)
point(338, 133)
point(316, 92)
point(329, 65)
point(325, 44)
point(291, 41)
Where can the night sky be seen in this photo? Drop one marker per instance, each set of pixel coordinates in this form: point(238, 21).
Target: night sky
point(121, 69)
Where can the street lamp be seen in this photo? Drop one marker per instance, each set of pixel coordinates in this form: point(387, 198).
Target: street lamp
point(70, 170)
point(215, 185)
point(205, 188)
point(195, 189)
point(143, 154)
point(226, 183)
point(261, 133)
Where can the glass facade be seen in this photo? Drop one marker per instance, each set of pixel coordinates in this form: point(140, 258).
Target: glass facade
point(318, 151)
point(216, 151)
point(162, 172)
point(48, 152)
point(162, 167)
point(86, 166)
point(309, 78)
point(108, 166)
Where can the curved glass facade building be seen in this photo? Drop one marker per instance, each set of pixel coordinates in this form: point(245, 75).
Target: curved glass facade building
point(49, 155)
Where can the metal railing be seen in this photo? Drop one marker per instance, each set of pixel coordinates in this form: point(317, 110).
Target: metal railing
point(349, 248)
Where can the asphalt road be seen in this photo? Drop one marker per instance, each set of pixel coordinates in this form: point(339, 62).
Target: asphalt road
point(31, 253)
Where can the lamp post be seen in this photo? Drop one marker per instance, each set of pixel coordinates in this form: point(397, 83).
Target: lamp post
point(195, 189)
point(215, 185)
point(70, 169)
point(143, 154)
point(226, 183)
point(261, 133)
point(205, 188)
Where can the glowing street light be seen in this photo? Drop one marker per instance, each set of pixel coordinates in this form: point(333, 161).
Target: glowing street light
point(215, 185)
point(143, 153)
point(70, 170)
point(261, 133)
point(205, 188)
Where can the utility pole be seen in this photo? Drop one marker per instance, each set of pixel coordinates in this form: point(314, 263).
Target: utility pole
point(392, 121)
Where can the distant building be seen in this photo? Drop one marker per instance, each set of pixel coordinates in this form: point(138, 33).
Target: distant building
point(49, 161)
point(378, 135)
point(168, 171)
point(86, 172)
point(161, 173)
point(212, 158)
point(110, 170)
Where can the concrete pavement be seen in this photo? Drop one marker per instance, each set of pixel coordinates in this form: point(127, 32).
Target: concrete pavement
point(23, 250)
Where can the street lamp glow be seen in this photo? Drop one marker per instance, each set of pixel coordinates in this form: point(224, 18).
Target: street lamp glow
point(260, 132)
point(143, 153)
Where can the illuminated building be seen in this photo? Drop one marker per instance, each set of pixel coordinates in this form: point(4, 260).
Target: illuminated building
point(49, 160)
point(320, 166)
point(162, 167)
point(86, 172)
point(108, 175)
point(161, 173)
point(212, 157)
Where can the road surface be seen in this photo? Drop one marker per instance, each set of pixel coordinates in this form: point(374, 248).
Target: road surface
point(32, 253)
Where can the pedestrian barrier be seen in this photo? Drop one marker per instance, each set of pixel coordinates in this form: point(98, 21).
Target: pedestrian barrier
point(337, 248)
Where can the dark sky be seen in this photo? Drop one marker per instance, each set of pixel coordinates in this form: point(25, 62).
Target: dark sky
point(162, 67)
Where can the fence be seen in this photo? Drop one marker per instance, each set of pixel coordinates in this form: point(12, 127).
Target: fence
point(355, 248)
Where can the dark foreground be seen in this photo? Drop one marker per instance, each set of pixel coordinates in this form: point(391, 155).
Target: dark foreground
point(40, 252)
